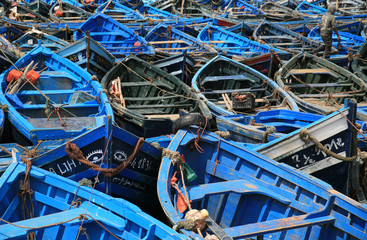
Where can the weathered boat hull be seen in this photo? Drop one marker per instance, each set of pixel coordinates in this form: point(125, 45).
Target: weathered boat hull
point(61, 103)
point(108, 147)
point(114, 36)
point(180, 66)
point(56, 207)
point(31, 39)
point(249, 195)
point(222, 78)
point(230, 44)
point(173, 41)
point(90, 55)
point(319, 86)
point(153, 99)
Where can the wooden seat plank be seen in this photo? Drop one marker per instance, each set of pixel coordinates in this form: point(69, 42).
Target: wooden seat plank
point(310, 71)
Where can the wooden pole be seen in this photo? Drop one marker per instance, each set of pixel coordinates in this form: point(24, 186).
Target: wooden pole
point(88, 50)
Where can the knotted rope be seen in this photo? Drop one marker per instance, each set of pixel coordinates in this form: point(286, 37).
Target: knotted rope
point(75, 153)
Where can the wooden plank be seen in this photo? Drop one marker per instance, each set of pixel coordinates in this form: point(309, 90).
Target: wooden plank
point(159, 98)
point(339, 95)
point(169, 116)
point(234, 90)
point(320, 85)
point(310, 70)
point(142, 84)
point(225, 78)
point(161, 106)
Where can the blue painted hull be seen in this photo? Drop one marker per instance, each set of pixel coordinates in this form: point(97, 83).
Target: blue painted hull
point(109, 146)
point(249, 195)
point(120, 12)
point(177, 41)
point(114, 36)
point(57, 208)
point(30, 40)
point(348, 40)
point(231, 44)
point(81, 101)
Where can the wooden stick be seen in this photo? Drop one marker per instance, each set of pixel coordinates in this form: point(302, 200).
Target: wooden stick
point(227, 101)
point(120, 92)
point(182, 6)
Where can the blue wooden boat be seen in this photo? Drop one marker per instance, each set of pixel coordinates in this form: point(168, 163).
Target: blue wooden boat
point(275, 129)
point(58, 208)
point(155, 14)
point(149, 102)
point(90, 55)
point(108, 147)
point(61, 101)
point(228, 86)
point(280, 37)
point(229, 43)
point(320, 86)
point(120, 12)
point(251, 196)
point(30, 40)
point(191, 26)
point(241, 9)
point(353, 27)
point(302, 29)
point(173, 41)
point(348, 40)
point(113, 36)
point(180, 66)
point(67, 12)
point(311, 9)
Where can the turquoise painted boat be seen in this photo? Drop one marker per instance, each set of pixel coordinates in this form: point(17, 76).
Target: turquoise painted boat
point(229, 43)
point(59, 208)
point(249, 196)
point(51, 98)
point(30, 40)
point(115, 37)
point(172, 41)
